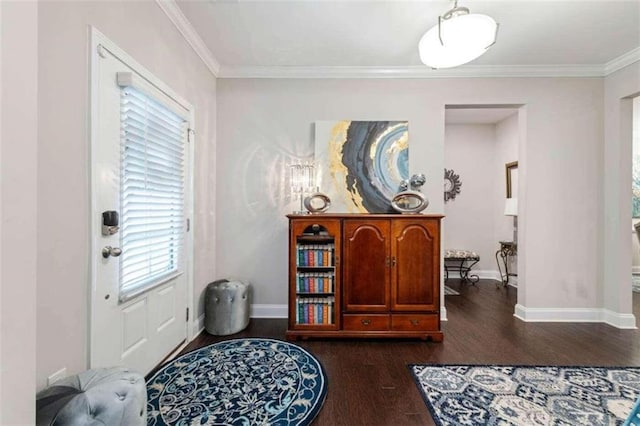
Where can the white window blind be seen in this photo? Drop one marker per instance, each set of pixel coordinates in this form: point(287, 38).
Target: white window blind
point(152, 191)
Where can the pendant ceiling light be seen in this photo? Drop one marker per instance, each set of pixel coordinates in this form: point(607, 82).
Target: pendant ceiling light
point(459, 37)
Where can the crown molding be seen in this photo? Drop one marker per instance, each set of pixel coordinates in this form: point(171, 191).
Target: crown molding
point(470, 71)
point(622, 61)
point(171, 9)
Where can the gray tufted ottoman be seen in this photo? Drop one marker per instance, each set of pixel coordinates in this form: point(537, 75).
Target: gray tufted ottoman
point(102, 396)
point(226, 306)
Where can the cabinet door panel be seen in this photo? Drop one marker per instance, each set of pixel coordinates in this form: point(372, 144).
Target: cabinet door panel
point(415, 266)
point(366, 280)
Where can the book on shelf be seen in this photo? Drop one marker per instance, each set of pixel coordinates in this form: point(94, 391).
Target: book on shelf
point(315, 310)
point(311, 255)
point(315, 282)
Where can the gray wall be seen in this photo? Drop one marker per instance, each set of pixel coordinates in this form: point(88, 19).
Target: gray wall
point(616, 209)
point(470, 151)
point(18, 170)
point(635, 244)
point(263, 124)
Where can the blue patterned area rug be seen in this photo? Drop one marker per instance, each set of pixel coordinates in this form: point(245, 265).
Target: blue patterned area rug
point(527, 395)
point(238, 382)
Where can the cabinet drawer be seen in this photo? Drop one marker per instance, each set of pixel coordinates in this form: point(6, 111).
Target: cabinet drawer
point(417, 322)
point(365, 322)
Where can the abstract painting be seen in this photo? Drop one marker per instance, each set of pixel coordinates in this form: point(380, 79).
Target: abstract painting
point(360, 164)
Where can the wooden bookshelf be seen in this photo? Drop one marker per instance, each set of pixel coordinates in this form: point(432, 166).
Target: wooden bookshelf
point(386, 284)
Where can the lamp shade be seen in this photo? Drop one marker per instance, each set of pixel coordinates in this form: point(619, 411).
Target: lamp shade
point(511, 207)
point(457, 40)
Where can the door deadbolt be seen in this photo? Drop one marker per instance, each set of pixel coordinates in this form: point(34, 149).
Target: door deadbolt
point(110, 222)
point(111, 251)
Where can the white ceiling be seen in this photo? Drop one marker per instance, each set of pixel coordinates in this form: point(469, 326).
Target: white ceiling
point(245, 34)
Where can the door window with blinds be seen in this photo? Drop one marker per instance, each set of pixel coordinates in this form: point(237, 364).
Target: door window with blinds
point(152, 187)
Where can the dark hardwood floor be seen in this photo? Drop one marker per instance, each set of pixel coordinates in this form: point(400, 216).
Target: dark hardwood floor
point(369, 382)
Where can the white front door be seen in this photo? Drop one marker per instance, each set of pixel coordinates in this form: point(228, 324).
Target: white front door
point(139, 325)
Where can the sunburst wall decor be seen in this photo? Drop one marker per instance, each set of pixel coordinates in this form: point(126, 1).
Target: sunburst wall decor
point(452, 185)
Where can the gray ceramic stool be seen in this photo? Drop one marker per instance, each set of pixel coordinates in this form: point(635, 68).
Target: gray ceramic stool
point(226, 307)
point(102, 396)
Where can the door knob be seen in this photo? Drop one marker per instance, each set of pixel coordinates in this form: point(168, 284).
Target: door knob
point(111, 251)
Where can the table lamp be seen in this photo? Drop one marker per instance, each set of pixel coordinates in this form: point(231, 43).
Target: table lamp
point(302, 182)
point(511, 209)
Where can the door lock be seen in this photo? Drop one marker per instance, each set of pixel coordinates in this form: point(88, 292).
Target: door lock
point(111, 251)
point(110, 222)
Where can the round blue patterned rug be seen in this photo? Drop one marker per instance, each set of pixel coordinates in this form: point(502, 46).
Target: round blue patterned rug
point(238, 382)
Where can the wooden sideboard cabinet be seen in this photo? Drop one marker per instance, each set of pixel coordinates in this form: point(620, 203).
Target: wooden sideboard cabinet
point(384, 275)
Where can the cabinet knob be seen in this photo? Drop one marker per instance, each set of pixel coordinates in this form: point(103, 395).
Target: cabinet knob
point(414, 322)
point(365, 322)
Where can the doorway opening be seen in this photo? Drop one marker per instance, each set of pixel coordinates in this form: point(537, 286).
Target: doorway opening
point(481, 150)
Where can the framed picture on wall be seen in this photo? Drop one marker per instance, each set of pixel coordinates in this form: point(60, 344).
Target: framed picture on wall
point(512, 179)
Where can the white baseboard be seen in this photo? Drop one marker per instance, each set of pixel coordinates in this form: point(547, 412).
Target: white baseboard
point(557, 314)
point(281, 311)
point(269, 311)
point(626, 321)
point(198, 325)
point(483, 275)
point(622, 321)
point(257, 311)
